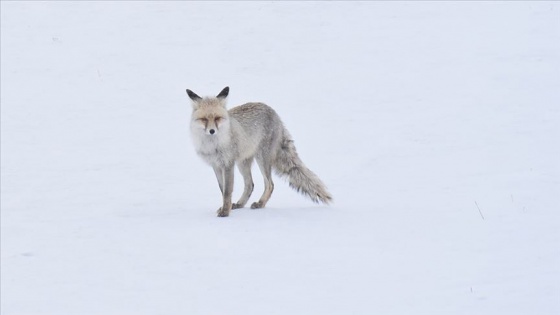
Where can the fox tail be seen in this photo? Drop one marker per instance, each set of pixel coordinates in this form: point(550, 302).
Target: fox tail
point(302, 179)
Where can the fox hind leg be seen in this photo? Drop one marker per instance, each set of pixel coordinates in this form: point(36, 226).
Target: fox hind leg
point(245, 170)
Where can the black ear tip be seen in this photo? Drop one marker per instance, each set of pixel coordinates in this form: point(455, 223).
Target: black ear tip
point(193, 95)
point(224, 93)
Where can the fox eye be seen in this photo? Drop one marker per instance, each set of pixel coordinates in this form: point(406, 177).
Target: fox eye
point(217, 119)
point(203, 120)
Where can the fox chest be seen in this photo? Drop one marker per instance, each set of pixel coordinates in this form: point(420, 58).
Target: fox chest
point(215, 152)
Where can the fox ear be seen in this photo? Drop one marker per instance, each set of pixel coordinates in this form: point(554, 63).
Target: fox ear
point(224, 93)
point(193, 95)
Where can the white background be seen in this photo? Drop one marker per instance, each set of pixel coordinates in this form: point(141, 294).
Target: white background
point(434, 124)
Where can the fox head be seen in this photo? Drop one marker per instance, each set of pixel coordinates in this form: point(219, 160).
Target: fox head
point(209, 114)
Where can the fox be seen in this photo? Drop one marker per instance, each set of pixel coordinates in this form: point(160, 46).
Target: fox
point(238, 136)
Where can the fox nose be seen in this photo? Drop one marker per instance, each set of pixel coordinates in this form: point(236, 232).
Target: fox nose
point(212, 131)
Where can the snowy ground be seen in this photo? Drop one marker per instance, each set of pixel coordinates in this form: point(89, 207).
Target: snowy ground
point(435, 125)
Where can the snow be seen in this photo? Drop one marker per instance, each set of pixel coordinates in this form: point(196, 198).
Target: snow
point(434, 124)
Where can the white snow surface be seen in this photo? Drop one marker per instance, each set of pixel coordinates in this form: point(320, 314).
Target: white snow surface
point(435, 126)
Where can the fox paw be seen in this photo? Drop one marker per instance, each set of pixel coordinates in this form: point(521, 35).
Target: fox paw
point(257, 205)
point(222, 213)
point(236, 206)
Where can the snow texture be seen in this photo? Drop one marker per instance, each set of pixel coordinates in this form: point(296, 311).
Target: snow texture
point(435, 126)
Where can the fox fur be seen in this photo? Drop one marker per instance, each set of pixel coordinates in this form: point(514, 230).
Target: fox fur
point(253, 131)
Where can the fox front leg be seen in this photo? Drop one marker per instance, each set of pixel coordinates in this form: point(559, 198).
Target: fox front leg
point(227, 190)
point(220, 177)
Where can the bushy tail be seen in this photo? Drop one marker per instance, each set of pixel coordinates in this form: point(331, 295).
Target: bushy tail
point(302, 179)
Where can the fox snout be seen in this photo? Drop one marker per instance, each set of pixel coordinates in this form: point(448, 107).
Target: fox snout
point(211, 131)
point(211, 125)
